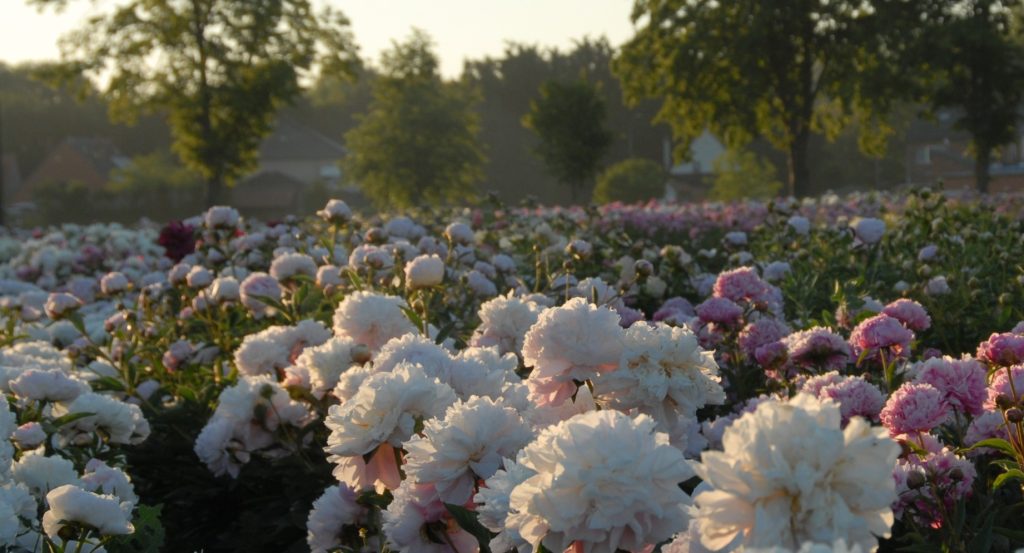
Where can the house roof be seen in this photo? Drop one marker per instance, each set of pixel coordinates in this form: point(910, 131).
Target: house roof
point(292, 140)
point(100, 152)
point(267, 190)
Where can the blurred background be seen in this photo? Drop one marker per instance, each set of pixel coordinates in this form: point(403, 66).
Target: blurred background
point(117, 110)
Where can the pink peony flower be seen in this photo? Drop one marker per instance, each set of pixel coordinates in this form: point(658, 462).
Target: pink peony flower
point(922, 482)
point(914, 409)
point(878, 333)
point(1000, 385)
point(910, 313)
point(1002, 349)
point(962, 382)
point(817, 349)
point(989, 425)
point(856, 397)
point(719, 310)
point(677, 309)
point(760, 333)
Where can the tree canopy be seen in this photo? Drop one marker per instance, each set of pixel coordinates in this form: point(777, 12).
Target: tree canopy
point(780, 69)
point(418, 140)
point(570, 120)
point(219, 69)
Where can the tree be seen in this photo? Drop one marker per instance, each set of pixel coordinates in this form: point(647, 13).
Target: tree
point(220, 69)
point(777, 68)
point(978, 72)
point(630, 181)
point(509, 83)
point(418, 141)
point(741, 174)
point(570, 118)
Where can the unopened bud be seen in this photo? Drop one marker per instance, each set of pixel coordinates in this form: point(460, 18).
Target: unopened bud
point(916, 480)
point(1014, 415)
point(360, 353)
point(644, 268)
point(1004, 402)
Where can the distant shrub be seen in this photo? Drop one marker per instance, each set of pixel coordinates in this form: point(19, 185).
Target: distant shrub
point(630, 181)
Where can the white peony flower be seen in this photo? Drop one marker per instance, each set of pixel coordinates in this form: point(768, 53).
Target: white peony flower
point(371, 319)
point(290, 265)
point(73, 504)
point(424, 271)
point(325, 363)
point(336, 212)
point(40, 473)
point(603, 481)
point(868, 230)
point(418, 522)
point(113, 282)
point(40, 385)
point(199, 277)
point(276, 347)
point(102, 478)
point(801, 225)
point(788, 475)
point(15, 503)
point(492, 507)
point(576, 341)
point(664, 373)
point(256, 287)
point(504, 322)
point(466, 446)
point(220, 216)
point(123, 423)
point(385, 410)
point(225, 289)
point(331, 512)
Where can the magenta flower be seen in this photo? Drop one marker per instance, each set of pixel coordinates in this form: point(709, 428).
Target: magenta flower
point(910, 313)
point(914, 409)
point(879, 333)
point(962, 382)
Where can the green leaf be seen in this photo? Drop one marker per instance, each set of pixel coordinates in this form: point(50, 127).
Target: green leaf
point(1002, 479)
point(105, 383)
point(70, 418)
point(148, 537)
point(467, 520)
point(413, 316)
point(994, 443)
point(1016, 535)
point(444, 333)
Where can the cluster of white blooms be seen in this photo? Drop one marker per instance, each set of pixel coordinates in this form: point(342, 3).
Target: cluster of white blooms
point(248, 416)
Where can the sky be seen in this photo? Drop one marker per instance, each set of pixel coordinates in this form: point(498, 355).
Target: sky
point(461, 29)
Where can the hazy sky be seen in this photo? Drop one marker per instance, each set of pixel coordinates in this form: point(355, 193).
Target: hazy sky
point(460, 28)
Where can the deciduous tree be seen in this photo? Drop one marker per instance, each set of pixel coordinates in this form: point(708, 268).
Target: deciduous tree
point(220, 69)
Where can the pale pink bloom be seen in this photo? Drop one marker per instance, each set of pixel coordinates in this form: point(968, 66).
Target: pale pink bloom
point(1000, 386)
point(910, 313)
point(878, 333)
point(1002, 349)
point(914, 409)
point(962, 381)
point(719, 310)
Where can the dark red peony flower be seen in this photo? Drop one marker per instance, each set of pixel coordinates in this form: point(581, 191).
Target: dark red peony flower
point(178, 239)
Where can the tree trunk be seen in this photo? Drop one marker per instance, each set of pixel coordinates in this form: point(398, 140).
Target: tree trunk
point(981, 166)
point(214, 192)
point(799, 183)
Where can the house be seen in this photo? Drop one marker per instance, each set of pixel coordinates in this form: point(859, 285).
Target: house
point(936, 152)
point(296, 164)
point(87, 161)
point(692, 179)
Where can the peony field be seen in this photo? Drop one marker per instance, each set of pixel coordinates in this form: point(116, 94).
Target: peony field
point(836, 374)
